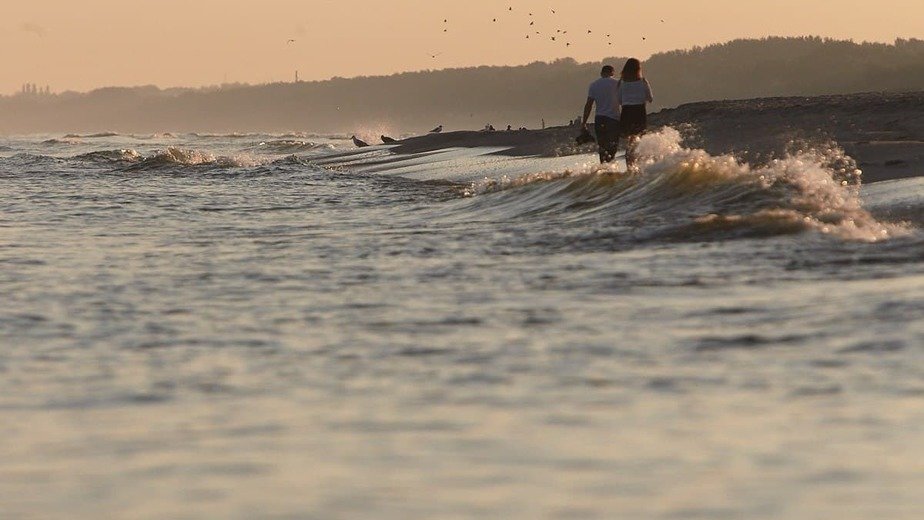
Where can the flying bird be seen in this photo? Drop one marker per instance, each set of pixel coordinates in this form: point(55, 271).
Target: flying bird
point(290, 41)
point(434, 56)
point(33, 28)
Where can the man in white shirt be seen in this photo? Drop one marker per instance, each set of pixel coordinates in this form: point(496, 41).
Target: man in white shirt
point(603, 93)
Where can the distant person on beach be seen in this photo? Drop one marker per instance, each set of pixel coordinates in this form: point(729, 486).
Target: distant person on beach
point(602, 93)
point(634, 93)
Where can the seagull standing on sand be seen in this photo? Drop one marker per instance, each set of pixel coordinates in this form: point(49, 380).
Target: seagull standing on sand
point(359, 142)
point(437, 130)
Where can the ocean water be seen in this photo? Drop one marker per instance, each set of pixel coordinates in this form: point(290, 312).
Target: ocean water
point(261, 326)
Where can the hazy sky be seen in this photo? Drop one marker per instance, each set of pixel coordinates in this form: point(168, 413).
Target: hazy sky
point(83, 44)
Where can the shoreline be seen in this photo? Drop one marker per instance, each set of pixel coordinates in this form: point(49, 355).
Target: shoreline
point(883, 132)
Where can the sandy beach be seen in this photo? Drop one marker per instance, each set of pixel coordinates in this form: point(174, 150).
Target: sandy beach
point(883, 132)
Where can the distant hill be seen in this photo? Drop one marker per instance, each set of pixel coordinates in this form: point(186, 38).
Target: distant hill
point(473, 97)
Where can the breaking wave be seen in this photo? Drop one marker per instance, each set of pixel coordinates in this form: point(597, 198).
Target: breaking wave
point(687, 194)
point(147, 137)
point(91, 136)
point(168, 159)
point(65, 141)
point(172, 157)
point(111, 156)
point(292, 146)
point(224, 136)
point(29, 160)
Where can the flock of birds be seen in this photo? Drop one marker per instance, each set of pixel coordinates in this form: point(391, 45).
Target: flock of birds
point(532, 33)
point(559, 35)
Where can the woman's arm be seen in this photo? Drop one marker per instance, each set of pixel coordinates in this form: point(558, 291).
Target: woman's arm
point(648, 93)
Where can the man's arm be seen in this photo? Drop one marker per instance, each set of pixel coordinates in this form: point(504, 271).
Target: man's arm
point(587, 108)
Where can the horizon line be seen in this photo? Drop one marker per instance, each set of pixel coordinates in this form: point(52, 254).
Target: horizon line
point(295, 72)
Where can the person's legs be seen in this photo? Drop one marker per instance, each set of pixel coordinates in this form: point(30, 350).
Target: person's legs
point(600, 133)
point(633, 125)
point(609, 147)
point(607, 131)
point(631, 157)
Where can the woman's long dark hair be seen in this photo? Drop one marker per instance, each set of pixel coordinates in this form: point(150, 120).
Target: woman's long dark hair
point(632, 71)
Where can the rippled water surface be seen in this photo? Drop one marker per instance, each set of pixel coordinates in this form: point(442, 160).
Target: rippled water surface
point(281, 327)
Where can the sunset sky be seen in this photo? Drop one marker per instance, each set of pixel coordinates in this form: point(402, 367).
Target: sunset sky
point(80, 45)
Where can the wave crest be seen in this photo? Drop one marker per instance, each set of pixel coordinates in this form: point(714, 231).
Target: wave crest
point(679, 193)
point(112, 156)
point(291, 146)
point(64, 141)
point(172, 157)
point(91, 136)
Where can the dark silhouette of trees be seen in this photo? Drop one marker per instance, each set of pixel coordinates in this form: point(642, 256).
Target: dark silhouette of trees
point(472, 97)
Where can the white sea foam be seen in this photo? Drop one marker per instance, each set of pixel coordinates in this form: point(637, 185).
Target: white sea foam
point(812, 190)
point(193, 157)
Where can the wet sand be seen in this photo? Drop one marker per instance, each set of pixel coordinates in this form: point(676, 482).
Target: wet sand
point(883, 132)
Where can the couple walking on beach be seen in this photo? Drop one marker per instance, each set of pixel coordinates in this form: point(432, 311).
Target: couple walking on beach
point(621, 109)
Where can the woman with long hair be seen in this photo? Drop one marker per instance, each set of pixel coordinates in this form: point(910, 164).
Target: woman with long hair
point(633, 94)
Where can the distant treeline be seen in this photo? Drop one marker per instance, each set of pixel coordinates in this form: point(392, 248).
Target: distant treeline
point(472, 97)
